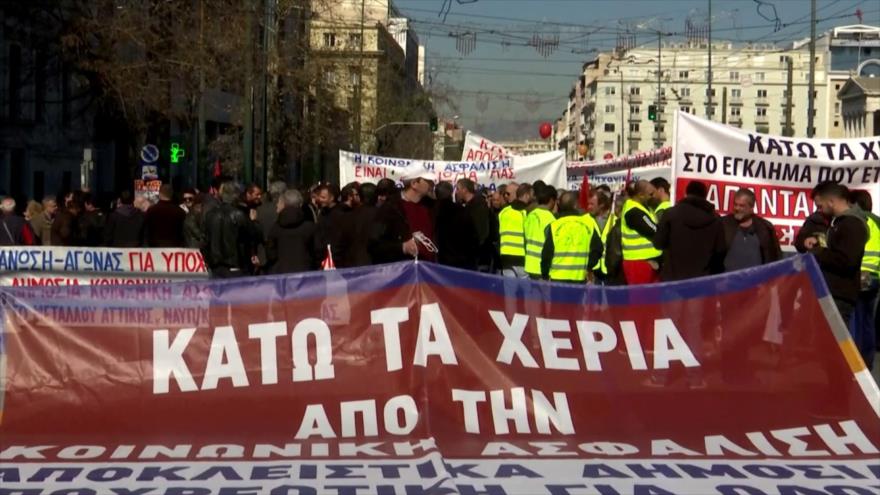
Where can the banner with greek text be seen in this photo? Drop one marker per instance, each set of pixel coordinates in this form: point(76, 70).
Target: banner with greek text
point(781, 171)
point(613, 173)
point(479, 149)
point(57, 266)
point(414, 378)
point(548, 167)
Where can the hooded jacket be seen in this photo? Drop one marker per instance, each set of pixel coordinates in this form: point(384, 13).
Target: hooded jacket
point(692, 239)
point(290, 247)
point(841, 261)
point(125, 228)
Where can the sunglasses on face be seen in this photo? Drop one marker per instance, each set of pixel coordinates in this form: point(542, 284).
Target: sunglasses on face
point(188, 199)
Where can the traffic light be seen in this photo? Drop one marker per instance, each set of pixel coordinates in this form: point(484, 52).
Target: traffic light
point(176, 153)
point(432, 124)
point(652, 113)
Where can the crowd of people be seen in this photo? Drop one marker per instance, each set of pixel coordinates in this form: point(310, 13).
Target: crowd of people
point(519, 230)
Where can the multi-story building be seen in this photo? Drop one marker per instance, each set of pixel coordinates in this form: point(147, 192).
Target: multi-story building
point(759, 87)
point(852, 51)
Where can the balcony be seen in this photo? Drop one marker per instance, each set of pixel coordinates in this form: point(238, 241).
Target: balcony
point(735, 120)
point(762, 119)
point(634, 136)
point(685, 99)
point(762, 101)
point(736, 101)
point(659, 136)
point(635, 117)
point(634, 98)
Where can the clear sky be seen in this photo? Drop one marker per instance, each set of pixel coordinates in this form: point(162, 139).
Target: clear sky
point(500, 84)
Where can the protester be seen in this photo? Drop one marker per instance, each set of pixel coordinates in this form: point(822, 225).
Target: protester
point(164, 221)
point(749, 240)
point(817, 223)
point(253, 197)
point(340, 231)
point(385, 188)
point(142, 202)
point(691, 237)
point(267, 212)
point(511, 222)
point(480, 217)
point(661, 200)
point(400, 220)
point(457, 239)
point(862, 326)
point(535, 227)
point(311, 209)
point(14, 230)
point(572, 246)
point(125, 226)
point(290, 245)
point(42, 224)
point(193, 235)
point(188, 198)
point(92, 221)
point(67, 227)
point(840, 251)
point(641, 260)
point(231, 237)
point(603, 220)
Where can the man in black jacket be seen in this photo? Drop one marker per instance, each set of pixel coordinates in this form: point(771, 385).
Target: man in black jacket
point(125, 226)
point(231, 237)
point(840, 252)
point(456, 234)
point(341, 231)
point(690, 236)
point(479, 214)
point(749, 240)
point(400, 216)
point(290, 246)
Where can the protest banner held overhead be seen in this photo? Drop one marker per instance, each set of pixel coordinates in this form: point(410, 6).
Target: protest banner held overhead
point(549, 167)
point(780, 170)
point(614, 172)
point(479, 149)
point(539, 389)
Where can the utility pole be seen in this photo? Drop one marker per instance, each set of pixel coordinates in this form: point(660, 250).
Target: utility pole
point(709, 89)
point(657, 141)
point(811, 131)
point(268, 28)
point(359, 89)
point(622, 116)
point(724, 105)
point(248, 161)
point(789, 86)
point(202, 176)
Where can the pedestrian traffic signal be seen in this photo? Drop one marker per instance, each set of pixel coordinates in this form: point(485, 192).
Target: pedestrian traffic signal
point(433, 124)
point(652, 112)
point(176, 153)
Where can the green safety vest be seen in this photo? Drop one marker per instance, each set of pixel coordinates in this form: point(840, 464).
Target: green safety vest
point(635, 246)
point(535, 223)
point(511, 226)
point(571, 253)
point(603, 235)
point(661, 209)
point(871, 260)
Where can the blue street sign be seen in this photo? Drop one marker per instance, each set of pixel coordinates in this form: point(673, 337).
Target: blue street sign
point(150, 153)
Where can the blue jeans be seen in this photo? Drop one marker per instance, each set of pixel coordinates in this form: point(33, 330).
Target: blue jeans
point(861, 325)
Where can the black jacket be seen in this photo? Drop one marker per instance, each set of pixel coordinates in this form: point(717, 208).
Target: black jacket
point(817, 223)
point(481, 217)
point(841, 261)
point(231, 239)
point(770, 250)
point(67, 229)
point(124, 228)
point(692, 239)
point(388, 233)
point(341, 230)
point(290, 247)
point(458, 241)
point(15, 231)
point(92, 224)
point(164, 225)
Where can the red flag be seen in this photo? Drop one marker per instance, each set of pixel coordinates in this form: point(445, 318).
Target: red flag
point(629, 176)
point(328, 264)
point(584, 197)
point(218, 170)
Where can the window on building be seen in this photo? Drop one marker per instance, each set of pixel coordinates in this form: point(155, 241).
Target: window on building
point(734, 76)
point(836, 123)
point(837, 87)
point(710, 92)
point(354, 40)
point(634, 127)
point(837, 108)
point(759, 77)
point(329, 76)
point(735, 111)
point(608, 145)
point(761, 112)
point(610, 90)
point(635, 109)
point(762, 93)
point(685, 91)
point(736, 93)
point(635, 90)
point(609, 127)
point(660, 128)
point(685, 109)
point(14, 81)
point(683, 74)
point(609, 108)
point(355, 75)
point(329, 39)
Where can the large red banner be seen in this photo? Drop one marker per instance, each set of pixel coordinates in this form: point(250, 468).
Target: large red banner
point(414, 378)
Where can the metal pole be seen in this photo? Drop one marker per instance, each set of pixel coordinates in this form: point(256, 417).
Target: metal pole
point(359, 88)
point(248, 144)
point(811, 131)
point(657, 141)
point(789, 85)
point(709, 112)
point(268, 25)
point(622, 116)
point(203, 175)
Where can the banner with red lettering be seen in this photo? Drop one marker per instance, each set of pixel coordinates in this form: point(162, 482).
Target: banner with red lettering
point(416, 378)
point(58, 266)
point(479, 149)
point(614, 172)
point(782, 171)
point(548, 167)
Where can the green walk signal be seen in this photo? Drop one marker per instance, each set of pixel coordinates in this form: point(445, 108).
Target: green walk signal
point(652, 113)
point(177, 153)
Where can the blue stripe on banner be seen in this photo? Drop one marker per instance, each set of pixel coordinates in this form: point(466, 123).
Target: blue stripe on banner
point(645, 294)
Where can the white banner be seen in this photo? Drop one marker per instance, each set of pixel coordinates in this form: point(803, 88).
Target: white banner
point(782, 171)
point(548, 167)
point(648, 165)
point(31, 266)
point(479, 149)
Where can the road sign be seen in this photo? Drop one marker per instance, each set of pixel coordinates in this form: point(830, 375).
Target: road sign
point(150, 153)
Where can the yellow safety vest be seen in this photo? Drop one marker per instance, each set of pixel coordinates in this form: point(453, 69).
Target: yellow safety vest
point(661, 209)
point(571, 248)
point(871, 260)
point(603, 235)
point(511, 226)
point(635, 246)
point(535, 223)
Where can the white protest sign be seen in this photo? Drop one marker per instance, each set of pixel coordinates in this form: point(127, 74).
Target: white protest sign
point(613, 172)
point(479, 149)
point(548, 167)
point(782, 171)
